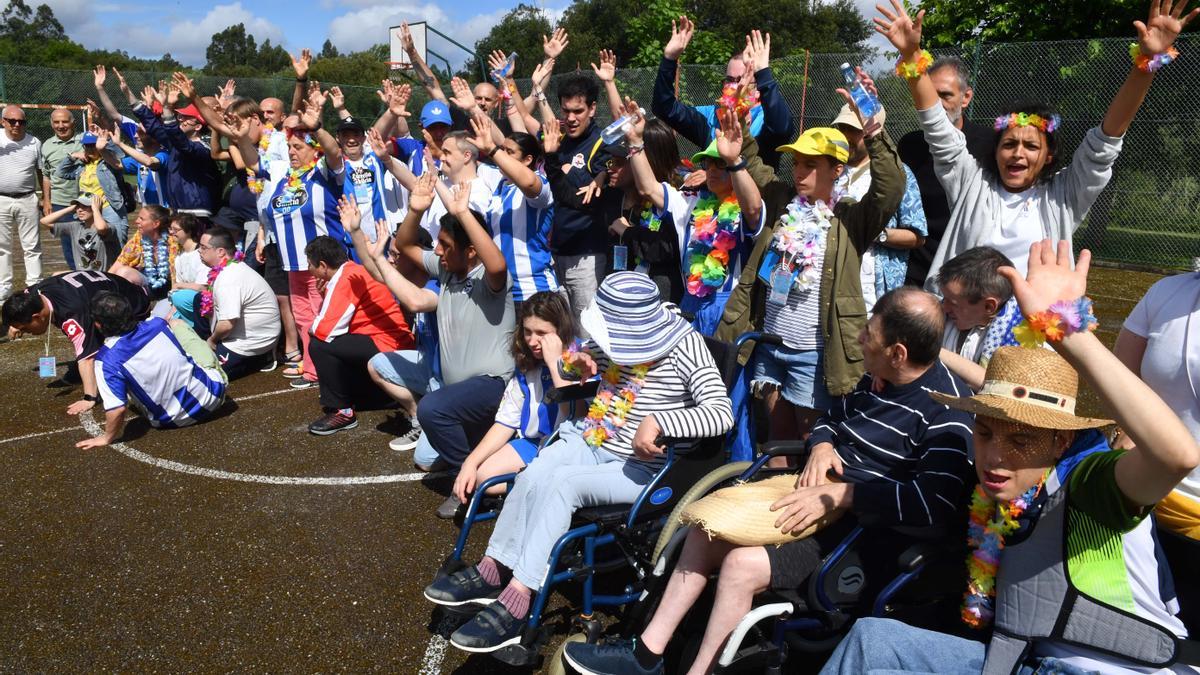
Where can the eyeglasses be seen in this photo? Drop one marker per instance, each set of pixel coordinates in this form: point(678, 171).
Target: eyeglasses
point(14, 122)
point(204, 247)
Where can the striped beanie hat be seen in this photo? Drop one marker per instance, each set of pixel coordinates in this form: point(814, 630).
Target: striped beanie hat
point(628, 321)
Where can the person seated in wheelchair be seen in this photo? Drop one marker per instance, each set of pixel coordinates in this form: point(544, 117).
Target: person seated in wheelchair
point(1064, 568)
point(887, 457)
point(545, 325)
point(981, 311)
point(659, 380)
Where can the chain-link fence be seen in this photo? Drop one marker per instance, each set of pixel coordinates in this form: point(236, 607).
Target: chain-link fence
point(1148, 215)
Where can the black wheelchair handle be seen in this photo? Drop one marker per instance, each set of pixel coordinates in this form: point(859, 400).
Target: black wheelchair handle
point(784, 448)
point(758, 338)
point(575, 392)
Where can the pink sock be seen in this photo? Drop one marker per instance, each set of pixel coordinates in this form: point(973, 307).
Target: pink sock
point(489, 570)
point(516, 602)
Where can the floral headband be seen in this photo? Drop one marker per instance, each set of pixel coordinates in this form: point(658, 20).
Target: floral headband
point(1048, 125)
point(305, 136)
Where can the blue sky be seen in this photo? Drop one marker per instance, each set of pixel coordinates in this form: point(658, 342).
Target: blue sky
point(146, 28)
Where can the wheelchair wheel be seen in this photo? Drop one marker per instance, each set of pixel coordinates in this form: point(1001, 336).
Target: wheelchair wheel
point(702, 487)
point(556, 666)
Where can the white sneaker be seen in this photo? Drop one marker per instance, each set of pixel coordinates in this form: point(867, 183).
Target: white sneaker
point(406, 441)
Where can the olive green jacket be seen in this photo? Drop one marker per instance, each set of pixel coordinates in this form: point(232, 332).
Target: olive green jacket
point(854, 227)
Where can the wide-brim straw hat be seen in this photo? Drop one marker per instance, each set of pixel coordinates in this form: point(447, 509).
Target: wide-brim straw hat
point(742, 514)
point(1036, 387)
point(628, 321)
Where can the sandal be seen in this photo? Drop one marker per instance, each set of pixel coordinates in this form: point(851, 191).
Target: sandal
point(293, 367)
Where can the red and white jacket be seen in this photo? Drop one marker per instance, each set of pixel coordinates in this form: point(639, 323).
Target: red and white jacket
point(357, 304)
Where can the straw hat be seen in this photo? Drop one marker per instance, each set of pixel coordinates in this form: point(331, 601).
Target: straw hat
point(1028, 386)
point(628, 321)
point(742, 514)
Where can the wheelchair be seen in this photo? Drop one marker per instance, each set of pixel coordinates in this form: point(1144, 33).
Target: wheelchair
point(618, 540)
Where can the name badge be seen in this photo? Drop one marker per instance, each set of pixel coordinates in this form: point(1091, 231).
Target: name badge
point(47, 367)
point(620, 258)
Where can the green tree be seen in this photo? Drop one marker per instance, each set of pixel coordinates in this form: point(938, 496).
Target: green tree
point(273, 59)
point(231, 51)
point(328, 51)
point(954, 23)
point(520, 30)
point(20, 22)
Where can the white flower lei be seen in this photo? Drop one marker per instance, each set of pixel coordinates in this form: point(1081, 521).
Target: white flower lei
point(801, 238)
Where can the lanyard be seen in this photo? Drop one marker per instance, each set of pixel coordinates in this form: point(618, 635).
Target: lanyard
point(49, 322)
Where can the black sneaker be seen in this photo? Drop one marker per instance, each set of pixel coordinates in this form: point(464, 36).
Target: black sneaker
point(493, 628)
point(615, 657)
point(464, 587)
point(331, 423)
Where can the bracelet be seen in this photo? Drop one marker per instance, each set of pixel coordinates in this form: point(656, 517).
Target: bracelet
point(492, 153)
point(1061, 319)
point(1151, 63)
point(910, 70)
point(734, 168)
point(90, 398)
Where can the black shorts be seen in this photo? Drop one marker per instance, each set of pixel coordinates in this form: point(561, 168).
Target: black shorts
point(273, 272)
point(794, 562)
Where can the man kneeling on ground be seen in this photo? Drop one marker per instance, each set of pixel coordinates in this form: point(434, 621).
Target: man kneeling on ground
point(165, 371)
point(890, 458)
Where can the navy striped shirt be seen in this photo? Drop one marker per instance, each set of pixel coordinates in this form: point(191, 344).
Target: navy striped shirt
point(908, 456)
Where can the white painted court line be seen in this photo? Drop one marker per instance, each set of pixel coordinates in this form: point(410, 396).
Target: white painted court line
point(431, 663)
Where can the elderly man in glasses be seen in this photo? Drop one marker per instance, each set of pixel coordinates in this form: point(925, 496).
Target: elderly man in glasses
point(18, 199)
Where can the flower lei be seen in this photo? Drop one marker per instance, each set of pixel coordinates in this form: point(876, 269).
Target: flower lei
point(711, 244)
point(1060, 320)
point(740, 105)
point(156, 265)
point(802, 236)
point(650, 220)
point(294, 183)
point(910, 70)
point(1047, 124)
point(206, 295)
point(990, 522)
point(612, 404)
point(1152, 62)
point(256, 184)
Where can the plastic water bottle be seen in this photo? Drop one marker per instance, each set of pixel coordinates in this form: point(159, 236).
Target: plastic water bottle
point(867, 104)
point(505, 70)
point(616, 131)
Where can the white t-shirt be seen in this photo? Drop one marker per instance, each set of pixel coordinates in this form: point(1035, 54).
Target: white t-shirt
point(190, 269)
point(244, 297)
point(18, 164)
point(1020, 226)
point(481, 197)
point(1168, 316)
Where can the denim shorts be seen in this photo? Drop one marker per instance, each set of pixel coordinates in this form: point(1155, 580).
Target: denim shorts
point(407, 368)
point(798, 373)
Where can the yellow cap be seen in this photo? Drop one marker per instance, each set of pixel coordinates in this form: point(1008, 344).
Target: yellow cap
point(820, 141)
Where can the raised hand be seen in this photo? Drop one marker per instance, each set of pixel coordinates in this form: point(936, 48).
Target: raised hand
point(482, 126)
point(226, 94)
point(103, 136)
point(236, 127)
point(681, 34)
point(1164, 23)
point(300, 65)
point(460, 201)
point(400, 97)
point(607, 69)
point(406, 39)
point(758, 50)
point(551, 135)
point(93, 110)
point(1050, 276)
point(173, 96)
point(382, 233)
point(184, 85)
point(149, 96)
point(378, 144)
point(497, 60)
point(729, 137)
point(421, 197)
point(554, 45)
point(337, 98)
point(463, 98)
point(311, 117)
point(637, 121)
point(899, 29)
point(98, 76)
point(349, 214)
point(121, 80)
point(870, 126)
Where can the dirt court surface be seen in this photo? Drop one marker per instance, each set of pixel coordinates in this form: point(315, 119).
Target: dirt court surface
point(190, 550)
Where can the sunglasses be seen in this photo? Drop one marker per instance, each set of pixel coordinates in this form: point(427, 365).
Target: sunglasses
point(13, 121)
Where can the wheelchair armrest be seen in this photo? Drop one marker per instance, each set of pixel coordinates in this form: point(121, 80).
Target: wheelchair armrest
point(575, 392)
point(924, 552)
point(784, 448)
point(758, 338)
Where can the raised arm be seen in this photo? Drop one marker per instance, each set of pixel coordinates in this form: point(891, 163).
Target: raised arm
point(779, 126)
point(412, 298)
point(1157, 35)
point(552, 46)
point(424, 72)
point(311, 119)
point(338, 100)
point(905, 36)
point(1166, 452)
point(643, 175)
point(398, 169)
point(607, 73)
point(99, 75)
point(395, 115)
point(514, 169)
point(404, 244)
point(729, 145)
point(300, 66)
point(664, 104)
point(187, 87)
point(494, 265)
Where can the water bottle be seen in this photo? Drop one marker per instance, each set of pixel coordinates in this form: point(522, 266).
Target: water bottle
point(505, 70)
point(616, 131)
point(867, 104)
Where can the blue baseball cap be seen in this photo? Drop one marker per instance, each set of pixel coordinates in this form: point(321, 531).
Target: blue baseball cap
point(88, 139)
point(435, 112)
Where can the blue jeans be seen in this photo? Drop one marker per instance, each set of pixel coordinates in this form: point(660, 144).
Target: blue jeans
point(886, 646)
point(568, 474)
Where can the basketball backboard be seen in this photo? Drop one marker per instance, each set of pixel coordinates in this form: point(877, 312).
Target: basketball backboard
point(399, 58)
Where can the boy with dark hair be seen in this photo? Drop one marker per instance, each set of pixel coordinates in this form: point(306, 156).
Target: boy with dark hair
point(980, 311)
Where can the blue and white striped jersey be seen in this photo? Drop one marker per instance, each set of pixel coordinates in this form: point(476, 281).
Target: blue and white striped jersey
point(298, 217)
point(521, 229)
point(522, 408)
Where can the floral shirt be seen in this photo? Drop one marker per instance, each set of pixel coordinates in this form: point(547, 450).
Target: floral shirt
point(134, 255)
point(891, 264)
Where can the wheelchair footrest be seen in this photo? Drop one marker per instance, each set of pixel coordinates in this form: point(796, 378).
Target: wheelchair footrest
point(519, 655)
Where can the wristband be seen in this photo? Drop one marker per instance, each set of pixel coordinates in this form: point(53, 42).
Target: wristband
point(302, 79)
point(734, 168)
point(1151, 63)
point(1061, 319)
point(492, 153)
point(911, 70)
point(90, 398)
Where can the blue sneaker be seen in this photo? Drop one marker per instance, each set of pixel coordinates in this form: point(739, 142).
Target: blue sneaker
point(464, 587)
point(492, 628)
point(614, 657)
